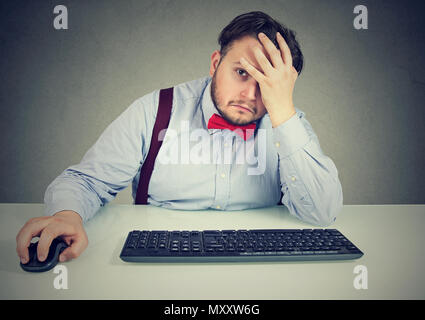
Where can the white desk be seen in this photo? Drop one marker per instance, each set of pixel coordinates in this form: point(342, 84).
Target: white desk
point(391, 236)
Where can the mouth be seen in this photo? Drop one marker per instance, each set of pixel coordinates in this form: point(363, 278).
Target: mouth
point(242, 108)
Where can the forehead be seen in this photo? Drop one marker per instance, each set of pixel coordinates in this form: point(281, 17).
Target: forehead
point(244, 47)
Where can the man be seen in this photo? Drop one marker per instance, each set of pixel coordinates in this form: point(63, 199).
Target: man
point(253, 78)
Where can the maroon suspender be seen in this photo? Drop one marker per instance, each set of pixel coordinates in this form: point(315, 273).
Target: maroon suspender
point(162, 120)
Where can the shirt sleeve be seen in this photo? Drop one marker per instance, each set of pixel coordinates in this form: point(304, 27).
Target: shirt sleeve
point(309, 179)
point(108, 166)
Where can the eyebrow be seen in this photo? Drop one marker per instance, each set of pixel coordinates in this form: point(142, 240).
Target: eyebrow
point(237, 63)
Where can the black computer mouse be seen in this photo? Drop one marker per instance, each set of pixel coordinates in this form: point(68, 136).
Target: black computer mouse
point(34, 265)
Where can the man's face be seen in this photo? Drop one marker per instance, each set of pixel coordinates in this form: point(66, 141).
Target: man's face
point(235, 94)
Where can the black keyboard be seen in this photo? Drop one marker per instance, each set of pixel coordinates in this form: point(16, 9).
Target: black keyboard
point(238, 246)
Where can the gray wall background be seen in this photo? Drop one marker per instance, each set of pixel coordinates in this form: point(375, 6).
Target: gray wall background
point(362, 90)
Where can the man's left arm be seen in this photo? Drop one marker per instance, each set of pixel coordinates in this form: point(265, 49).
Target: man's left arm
point(312, 191)
point(309, 179)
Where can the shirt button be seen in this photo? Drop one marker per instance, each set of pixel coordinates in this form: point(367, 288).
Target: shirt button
point(293, 178)
point(217, 207)
point(277, 144)
point(223, 175)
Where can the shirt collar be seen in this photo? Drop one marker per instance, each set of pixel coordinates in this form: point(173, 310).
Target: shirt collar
point(207, 104)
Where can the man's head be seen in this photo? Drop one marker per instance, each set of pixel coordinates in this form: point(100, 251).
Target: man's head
point(235, 94)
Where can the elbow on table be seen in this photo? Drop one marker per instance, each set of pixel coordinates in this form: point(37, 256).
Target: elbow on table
point(327, 219)
point(320, 211)
point(326, 212)
point(321, 217)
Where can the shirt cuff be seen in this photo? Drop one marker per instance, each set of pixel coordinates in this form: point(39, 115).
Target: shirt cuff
point(290, 136)
point(65, 204)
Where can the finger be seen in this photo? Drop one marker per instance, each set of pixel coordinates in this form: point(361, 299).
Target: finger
point(257, 75)
point(271, 49)
point(46, 238)
point(74, 250)
point(294, 72)
point(30, 230)
point(286, 52)
point(263, 61)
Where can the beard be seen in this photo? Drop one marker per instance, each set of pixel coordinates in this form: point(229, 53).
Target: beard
point(215, 99)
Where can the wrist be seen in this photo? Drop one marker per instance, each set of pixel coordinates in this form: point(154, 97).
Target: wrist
point(282, 115)
point(69, 214)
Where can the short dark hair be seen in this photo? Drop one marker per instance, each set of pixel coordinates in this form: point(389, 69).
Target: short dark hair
point(250, 24)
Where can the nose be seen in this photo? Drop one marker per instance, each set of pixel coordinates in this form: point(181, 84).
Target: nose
point(250, 89)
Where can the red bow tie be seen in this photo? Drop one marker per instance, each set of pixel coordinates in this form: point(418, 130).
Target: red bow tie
point(218, 122)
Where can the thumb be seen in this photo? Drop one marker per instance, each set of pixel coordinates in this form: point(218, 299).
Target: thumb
point(76, 247)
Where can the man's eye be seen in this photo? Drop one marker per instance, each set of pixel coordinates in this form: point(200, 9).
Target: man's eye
point(242, 72)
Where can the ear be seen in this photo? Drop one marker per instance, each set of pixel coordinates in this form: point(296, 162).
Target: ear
point(215, 59)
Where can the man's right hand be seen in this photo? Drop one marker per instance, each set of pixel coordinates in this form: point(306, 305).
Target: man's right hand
point(66, 224)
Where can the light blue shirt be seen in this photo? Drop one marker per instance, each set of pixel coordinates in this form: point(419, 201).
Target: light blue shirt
point(199, 168)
